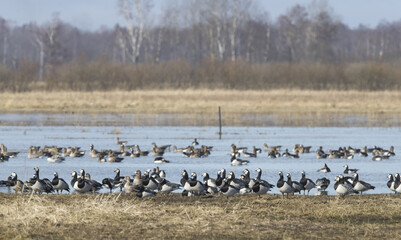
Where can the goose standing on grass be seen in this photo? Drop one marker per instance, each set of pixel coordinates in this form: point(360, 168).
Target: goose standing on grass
point(128, 187)
point(209, 182)
point(149, 182)
point(343, 187)
point(166, 186)
point(322, 184)
point(238, 183)
point(220, 177)
point(285, 187)
point(60, 184)
point(306, 183)
point(16, 184)
point(361, 186)
point(96, 186)
point(391, 182)
point(295, 185)
point(349, 170)
point(325, 169)
point(41, 185)
point(80, 184)
point(397, 183)
point(227, 189)
point(194, 186)
point(259, 179)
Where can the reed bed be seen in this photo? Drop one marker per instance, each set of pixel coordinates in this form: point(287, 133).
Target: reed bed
point(123, 216)
point(203, 101)
point(239, 108)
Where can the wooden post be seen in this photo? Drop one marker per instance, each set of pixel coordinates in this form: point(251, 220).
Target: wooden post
point(220, 132)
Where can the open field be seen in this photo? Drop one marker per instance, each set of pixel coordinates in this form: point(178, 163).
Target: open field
point(239, 108)
point(204, 101)
point(104, 216)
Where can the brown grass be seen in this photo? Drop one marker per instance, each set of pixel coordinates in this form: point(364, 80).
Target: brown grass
point(244, 108)
point(203, 101)
point(123, 216)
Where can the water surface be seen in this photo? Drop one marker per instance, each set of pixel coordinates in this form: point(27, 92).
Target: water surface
point(18, 138)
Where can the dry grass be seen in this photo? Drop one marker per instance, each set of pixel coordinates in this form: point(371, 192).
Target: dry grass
point(241, 108)
point(124, 216)
point(203, 101)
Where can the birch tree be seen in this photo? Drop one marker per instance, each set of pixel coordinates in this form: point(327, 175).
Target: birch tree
point(134, 13)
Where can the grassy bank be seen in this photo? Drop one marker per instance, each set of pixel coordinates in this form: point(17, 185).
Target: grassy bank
point(125, 216)
point(243, 108)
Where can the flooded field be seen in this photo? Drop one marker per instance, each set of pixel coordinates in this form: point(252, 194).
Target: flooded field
point(19, 138)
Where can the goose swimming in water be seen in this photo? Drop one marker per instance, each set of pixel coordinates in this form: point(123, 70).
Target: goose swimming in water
point(325, 169)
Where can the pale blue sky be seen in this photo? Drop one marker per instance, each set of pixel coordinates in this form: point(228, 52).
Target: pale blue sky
point(92, 14)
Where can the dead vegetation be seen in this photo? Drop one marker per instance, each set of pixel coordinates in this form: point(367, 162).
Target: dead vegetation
point(126, 217)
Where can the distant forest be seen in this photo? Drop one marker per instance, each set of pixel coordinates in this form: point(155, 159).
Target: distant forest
point(231, 44)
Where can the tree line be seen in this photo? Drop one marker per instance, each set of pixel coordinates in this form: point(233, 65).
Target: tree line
point(202, 44)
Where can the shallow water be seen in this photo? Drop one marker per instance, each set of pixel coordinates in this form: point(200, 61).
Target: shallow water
point(20, 138)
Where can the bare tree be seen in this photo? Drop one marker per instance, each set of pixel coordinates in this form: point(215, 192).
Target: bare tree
point(134, 13)
point(4, 33)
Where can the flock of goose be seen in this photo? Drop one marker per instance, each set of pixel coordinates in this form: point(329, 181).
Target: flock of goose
point(150, 182)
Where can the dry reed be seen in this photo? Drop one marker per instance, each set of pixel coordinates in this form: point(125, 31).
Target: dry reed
point(173, 216)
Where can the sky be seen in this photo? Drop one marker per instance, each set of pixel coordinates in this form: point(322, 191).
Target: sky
point(93, 14)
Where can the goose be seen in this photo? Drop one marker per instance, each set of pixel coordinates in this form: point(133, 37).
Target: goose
point(149, 182)
point(96, 186)
point(284, 186)
point(195, 142)
point(306, 183)
point(389, 152)
point(160, 160)
point(162, 148)
point(349, 170)
point(247, 178)
point(297, 187)
point(184, 178)
point(325, 169)
point(376, 157)
point(6, 153)
point(134, 154)
point(96, 154)
point(210, 182)
point(238, 162)
point(397, 183)
point(124, 153)
point(259, 176)
point(16, 184)
point(75, 153)
point(289, 155)
point(110, 184)
point(227, 189)
point(114, 158)
point(333, 154)
point(175, 149)
point(141, 153)
point(138, 181)
point(391, 183)
point(363, 152)
point(144, 192)
point(361, 186)
point(271, 148)
point(193, 185)
point(41, 185)
point(157, 152)
point(252, 154)
point(234, 148)
point(221, 175)
point(260, 188)
point(118, 142)
point(238, 183)
point(129, 188)
point(59, 184)
point(271, 154)
point(343, 187)
point(55, 159)
point(81, 185)
point(166, 186)
point(118, 179)
point(322, 184)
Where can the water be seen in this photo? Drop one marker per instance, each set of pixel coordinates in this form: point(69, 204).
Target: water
point(20, 138)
